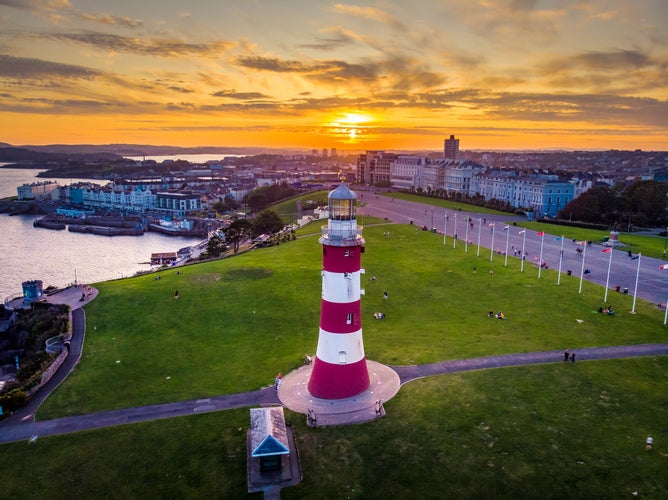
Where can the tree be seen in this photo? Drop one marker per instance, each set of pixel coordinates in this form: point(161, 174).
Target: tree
point(236, 232)
point(648, 203)
point(267, 222)
point(215, 246)
point(264, 196)
point(642, 203)
point(225, 204)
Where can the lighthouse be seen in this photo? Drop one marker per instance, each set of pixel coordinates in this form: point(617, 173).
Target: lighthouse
point(340, 369)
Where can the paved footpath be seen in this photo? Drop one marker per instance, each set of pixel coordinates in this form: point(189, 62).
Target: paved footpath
point(28, 429)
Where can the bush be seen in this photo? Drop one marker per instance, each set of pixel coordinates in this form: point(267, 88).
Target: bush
point(13, 400)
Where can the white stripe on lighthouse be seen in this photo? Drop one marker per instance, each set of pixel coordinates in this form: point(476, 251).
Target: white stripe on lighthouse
point(340, 348)
point(340, 287)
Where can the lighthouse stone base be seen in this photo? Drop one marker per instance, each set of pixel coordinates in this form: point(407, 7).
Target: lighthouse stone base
point(368, 405)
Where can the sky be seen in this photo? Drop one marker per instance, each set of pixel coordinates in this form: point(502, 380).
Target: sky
point(392, 74)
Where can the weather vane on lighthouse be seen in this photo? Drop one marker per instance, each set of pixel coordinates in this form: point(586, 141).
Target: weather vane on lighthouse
point(340, 368)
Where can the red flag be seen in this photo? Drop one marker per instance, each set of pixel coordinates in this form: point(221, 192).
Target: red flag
point(540, 233)
point(607, 250)
point(663, 266)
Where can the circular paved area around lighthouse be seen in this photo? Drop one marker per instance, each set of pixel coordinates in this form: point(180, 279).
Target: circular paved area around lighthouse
point(368, 405)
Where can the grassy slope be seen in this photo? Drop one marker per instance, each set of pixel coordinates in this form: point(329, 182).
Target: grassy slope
point(546, 431)
point(239, 321)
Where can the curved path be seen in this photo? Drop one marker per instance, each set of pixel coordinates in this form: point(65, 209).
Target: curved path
point(18, 431)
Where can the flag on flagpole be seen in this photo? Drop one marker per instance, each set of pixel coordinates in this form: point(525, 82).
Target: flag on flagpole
point(663, 266)
point(607, 250)
point(506, 227)
point(540, 233)
point(491, 224)
point(522, 231)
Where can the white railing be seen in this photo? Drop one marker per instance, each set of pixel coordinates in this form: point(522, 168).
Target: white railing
point(341, 234)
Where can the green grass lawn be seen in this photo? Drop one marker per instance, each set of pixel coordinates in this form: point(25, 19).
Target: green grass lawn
point(528, 432)
point(437, 202)
point(548, 431)
point(288, 209)
point(239, 321)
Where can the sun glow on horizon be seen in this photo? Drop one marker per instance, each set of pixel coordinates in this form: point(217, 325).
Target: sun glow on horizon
point(350, 128)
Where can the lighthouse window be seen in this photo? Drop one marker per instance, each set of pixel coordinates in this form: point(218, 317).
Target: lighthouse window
point(342, 357)
point(346, 253)
point(349, 319)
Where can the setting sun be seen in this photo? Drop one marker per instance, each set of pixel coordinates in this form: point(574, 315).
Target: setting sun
point(347, 127)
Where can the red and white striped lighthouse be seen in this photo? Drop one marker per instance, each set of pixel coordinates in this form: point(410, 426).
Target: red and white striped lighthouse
point(339, 370)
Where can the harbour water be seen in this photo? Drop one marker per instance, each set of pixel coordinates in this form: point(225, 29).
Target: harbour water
point(59, 258)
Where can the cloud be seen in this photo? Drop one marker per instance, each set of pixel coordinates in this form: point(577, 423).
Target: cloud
point(29, 68)
point(242, 96)
point(509, 22)
point(112, 20)
point(156, 47)
point(392, 72)
point(37, 5)
point(613, 60)
point(272, 64)
point(591, 108)
point(332, 40)
point(371, 14)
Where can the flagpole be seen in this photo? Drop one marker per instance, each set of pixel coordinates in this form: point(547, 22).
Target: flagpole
point(607, 279)
point(665, 316)
point(584, 254)
point(466, 237)
point(524, 240)
point(445, 225)
point(561, 256)
point(491, 250)
point(507, 230)
point(635, 290)
point(454, 232)
point(479, 229)
point(540, 258)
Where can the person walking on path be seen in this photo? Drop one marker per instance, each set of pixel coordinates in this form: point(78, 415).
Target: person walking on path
point(572, 358)
point(565, 355)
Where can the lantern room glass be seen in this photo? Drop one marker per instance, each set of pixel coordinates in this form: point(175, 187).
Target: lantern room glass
point(341, 209)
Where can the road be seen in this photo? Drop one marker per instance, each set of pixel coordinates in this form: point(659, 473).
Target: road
point(488, 239)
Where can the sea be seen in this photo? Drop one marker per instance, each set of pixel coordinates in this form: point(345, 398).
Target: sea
point(61, 258)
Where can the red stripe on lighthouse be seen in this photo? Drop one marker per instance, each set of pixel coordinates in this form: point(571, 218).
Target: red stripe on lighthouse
point(331, 381)
point(334, 317)
point(341, 259)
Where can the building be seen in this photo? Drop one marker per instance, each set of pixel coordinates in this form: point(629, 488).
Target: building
point(177, 204)
point(45, 190)
point(339, 369)
point(374, 167)
point(545, 197)
point(451, 148)
point(268, 439)
point(120, 199)
point(407, 172)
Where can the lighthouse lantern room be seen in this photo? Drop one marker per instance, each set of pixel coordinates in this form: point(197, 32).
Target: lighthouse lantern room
point(339, 370)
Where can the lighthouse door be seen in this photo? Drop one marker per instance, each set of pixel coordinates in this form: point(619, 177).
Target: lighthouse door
point(342, 357)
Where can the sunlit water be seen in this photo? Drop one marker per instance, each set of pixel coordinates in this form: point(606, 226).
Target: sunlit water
point(59, 257)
